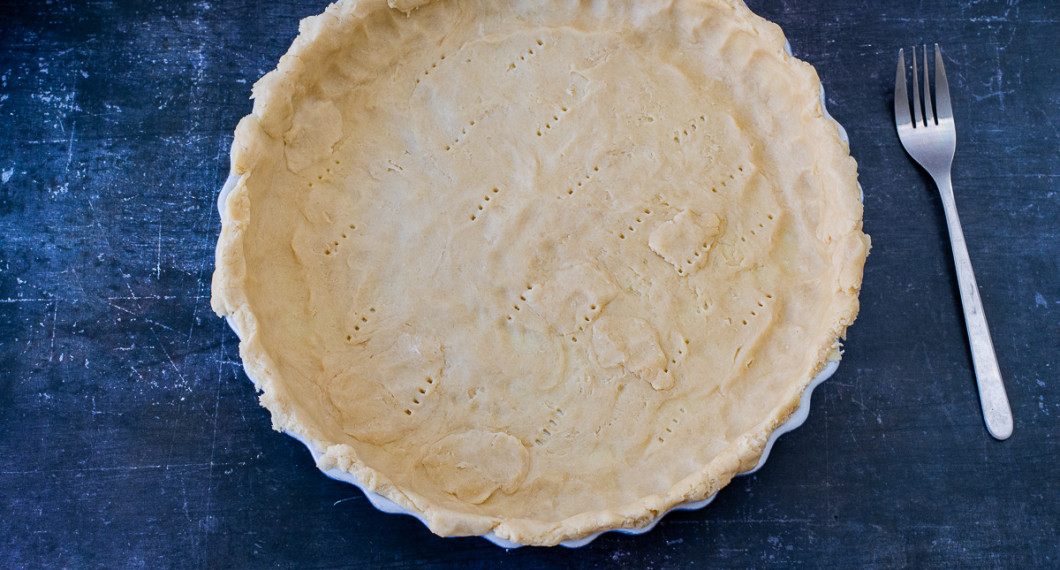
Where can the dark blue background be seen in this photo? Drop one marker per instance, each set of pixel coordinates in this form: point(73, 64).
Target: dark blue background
point(130, 436)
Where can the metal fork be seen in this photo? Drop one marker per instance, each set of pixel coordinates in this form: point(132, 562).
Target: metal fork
point(930, 138)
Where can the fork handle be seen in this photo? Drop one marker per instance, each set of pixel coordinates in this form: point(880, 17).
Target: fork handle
point(996, 411)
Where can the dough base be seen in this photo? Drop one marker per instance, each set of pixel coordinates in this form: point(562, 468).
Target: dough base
point(539, 269)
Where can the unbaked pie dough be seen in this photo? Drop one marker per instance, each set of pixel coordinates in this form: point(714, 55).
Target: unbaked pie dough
point(538, 268)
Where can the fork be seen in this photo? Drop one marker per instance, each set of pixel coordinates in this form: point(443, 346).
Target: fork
point(930, 138)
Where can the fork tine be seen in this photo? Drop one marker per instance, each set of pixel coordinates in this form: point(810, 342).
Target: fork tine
point(929, 114)
point(942, 89)
point(901, 96)
point(918, 118)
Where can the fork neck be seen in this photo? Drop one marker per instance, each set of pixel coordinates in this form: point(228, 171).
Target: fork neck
point(953, 222)
point(945, 184)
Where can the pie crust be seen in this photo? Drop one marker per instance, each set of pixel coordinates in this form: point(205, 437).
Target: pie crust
point(539, 269)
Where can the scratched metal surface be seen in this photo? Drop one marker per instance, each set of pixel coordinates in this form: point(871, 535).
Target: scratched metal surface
point(129, 435)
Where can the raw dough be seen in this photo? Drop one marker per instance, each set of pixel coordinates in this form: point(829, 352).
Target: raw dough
point(539, 268)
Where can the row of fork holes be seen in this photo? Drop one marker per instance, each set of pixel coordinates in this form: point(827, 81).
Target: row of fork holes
point(680, 135)
point(542, 131)
point(485, 202)
point(637, 221)
point(549, 428)
point(463, 132)
point(723, 183)
point(334, 245)
point(671, 425)
point(522, 57)
point(320, 177)
point(754, 312)
point(421, 393)
point(522, 299)
point(357, 327)
point(587, 177)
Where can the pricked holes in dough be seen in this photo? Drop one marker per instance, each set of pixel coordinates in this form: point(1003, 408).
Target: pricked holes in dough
point(480, 209)
point(463, 134)
point(683, 260)
point(524, 56)
point(333, 247)
point(581, 183)
point(684, 133)
point(551, 427)
point(682, 347)
point(522, 299)
point(553, 121)
point(638, 220)
point(760, 308)
point(671, 424)
point(360, 322)
point(420, 397)
point(762, 225)
point(723, 183)
point(433, 66)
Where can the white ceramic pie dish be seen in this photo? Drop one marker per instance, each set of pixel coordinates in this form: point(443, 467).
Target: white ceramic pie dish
point(383, 504)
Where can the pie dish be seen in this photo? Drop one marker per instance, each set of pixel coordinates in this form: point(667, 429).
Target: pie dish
point(538, 270)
